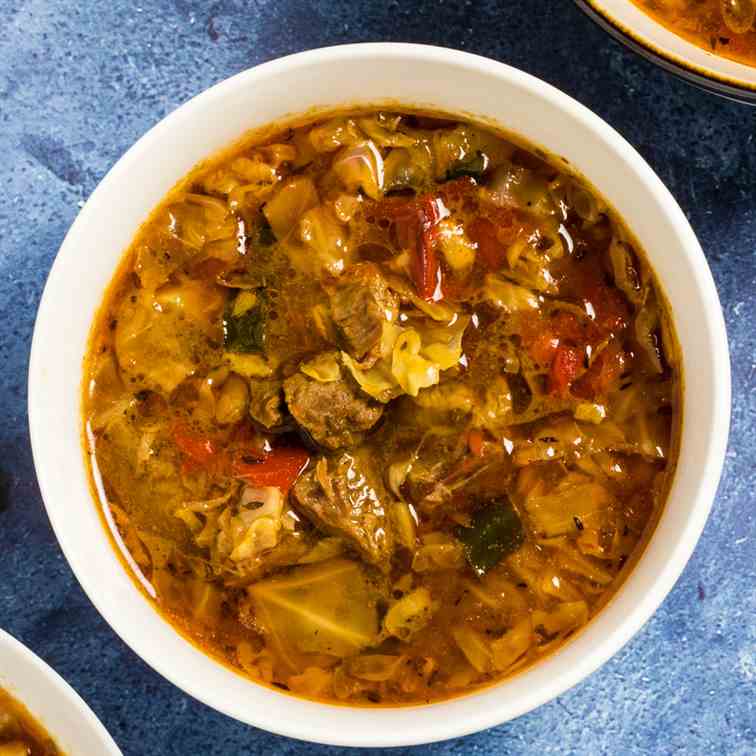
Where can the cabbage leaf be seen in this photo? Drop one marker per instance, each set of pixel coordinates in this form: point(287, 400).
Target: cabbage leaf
point(411, 358)
point(326, 608)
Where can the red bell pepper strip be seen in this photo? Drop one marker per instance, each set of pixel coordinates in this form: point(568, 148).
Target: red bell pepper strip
point(199, 452)
point(425, 268)
point(280, 468)
point(198, 449)
point(416, 224)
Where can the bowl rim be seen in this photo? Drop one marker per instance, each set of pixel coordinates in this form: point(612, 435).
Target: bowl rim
point(707, 78)
point(385, 732)
point(68, 699)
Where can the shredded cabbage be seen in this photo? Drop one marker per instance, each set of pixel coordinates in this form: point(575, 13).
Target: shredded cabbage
point(249, 365)
point(459, 251)
point(335, 133)
point(321, 231)
point(361, 167)
point(505, 651)
point(376, 381)
point(252, 530)
point(409, 614)
point(438, 552)
point(475, 646)
point(292, 200)
point(627, 276)
point(565, 617)
point(576, 497)
point(374, 667)
point(383, 130)
point(647, 323)
point(412, 359)
point(509, 296)
point(324, 368)
point(411, 371)
point(408, 167)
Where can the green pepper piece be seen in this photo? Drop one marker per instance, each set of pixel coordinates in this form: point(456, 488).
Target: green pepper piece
point(247, 332)
point(262, 234)
point(494, 532)
point(474, 167)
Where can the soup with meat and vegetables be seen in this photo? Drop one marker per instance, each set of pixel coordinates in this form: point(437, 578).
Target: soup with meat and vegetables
point(380, 405)
point(20, 733)
point(724, 27)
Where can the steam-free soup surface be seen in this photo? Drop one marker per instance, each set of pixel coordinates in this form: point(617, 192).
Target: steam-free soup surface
point(382, 406)
point(20, 733)
point(725, 27)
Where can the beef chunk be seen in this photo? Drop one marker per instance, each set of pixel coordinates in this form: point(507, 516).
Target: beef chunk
point(335, 414)
point(344, 496)
point(359, 305)
point(266, 405)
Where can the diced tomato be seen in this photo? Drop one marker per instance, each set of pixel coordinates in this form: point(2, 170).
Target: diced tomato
point(199, 449)
point(475, 439)
point(567, 327)
point(610, 308)
point(543, 347)
point(538, 339)
point(564, 369)
point(509, 224)
point(603, 373)
point(457, 189)
point(280, 468)
point(541, 337)
point(491, 252)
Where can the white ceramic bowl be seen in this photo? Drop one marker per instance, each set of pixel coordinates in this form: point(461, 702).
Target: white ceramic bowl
point(349, 75)
point(639, 31)
point(52, 702)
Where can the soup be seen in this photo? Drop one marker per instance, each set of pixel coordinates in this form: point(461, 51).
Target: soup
point(20, 733)
point(725, 27)
point(381, 405)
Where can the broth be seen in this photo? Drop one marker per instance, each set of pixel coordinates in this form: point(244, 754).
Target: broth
point(382, 406)
point(724, 27)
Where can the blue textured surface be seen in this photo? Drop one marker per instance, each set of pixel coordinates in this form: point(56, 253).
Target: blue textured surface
point(79, 82)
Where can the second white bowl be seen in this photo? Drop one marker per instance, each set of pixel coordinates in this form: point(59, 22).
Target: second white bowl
point(642, 33)
point(52, 702)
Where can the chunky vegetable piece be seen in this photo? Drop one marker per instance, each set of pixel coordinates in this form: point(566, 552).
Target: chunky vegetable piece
point(724, 27)
point(382, 405)
point(494, 532)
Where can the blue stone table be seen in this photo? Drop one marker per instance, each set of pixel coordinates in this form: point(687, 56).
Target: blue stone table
point(80, 81)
